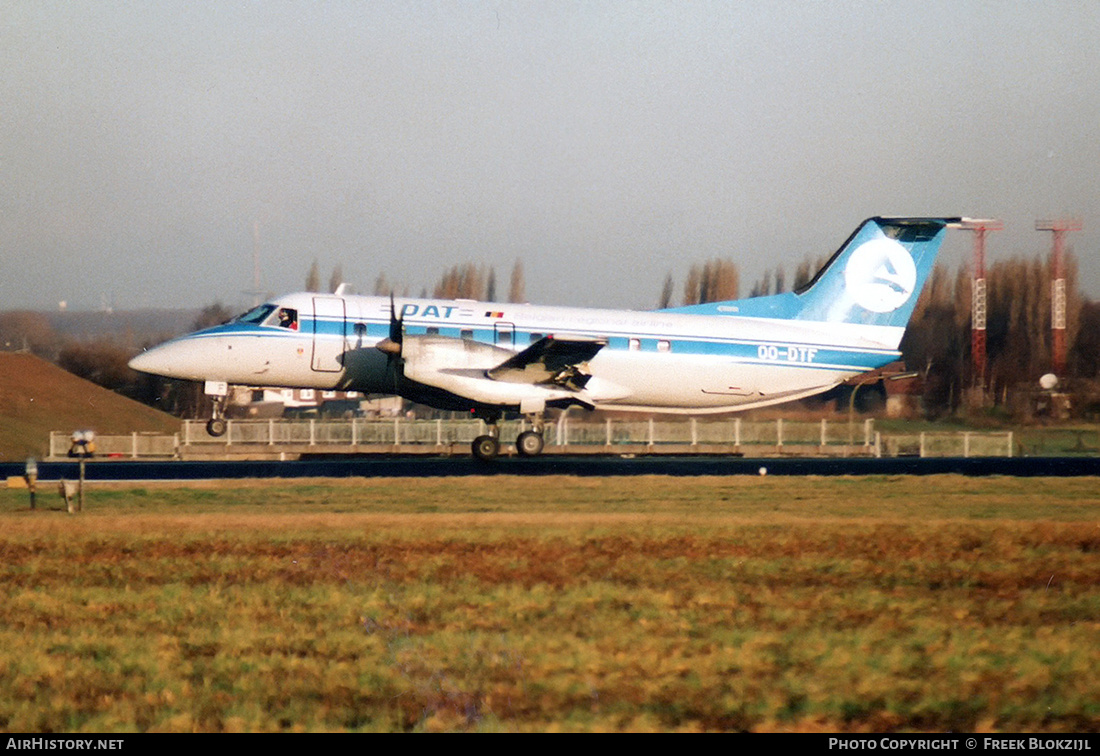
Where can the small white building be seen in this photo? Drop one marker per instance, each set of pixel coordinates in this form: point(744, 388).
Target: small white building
point(262, 402)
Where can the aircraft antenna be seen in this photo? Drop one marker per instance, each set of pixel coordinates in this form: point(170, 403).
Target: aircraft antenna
point(1058, 289)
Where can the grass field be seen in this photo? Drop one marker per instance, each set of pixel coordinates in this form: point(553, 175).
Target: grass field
point(779, 603)
point(37, 397)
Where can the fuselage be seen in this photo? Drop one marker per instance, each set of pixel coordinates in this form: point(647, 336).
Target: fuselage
point(658, 361)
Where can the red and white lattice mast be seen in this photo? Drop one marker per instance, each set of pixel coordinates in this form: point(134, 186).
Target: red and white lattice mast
point(978, 300)
point(1058, 290)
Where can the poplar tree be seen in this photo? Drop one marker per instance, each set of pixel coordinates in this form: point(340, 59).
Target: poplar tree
point(517, 286)
point(714, 281)
point(336, 278)
point(313, 279)
point(666, 294)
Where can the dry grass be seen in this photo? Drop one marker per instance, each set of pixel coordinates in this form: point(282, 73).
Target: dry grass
point(518, 604)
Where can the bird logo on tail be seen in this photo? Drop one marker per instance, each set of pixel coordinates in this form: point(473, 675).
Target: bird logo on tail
point(880, 275)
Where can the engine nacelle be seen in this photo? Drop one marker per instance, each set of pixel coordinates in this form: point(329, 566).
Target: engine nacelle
point(460, 366)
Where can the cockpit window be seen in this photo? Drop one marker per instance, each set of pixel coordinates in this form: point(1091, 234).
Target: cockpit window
point(270, 315)
point(255, 315)
point(288, 318)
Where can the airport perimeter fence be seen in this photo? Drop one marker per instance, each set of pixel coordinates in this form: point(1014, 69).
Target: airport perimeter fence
point(563, 432)
point(731, 436)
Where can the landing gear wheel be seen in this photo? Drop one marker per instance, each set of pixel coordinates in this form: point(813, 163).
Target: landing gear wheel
point(529, 444)
point(485, 448)
point(216, 426)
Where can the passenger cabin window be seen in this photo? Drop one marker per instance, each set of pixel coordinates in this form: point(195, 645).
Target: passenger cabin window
point(432, 331)
point(534, 337)
point(664, 346)
point(635, 345)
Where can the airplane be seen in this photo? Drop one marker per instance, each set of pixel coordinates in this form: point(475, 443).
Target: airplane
point(491, 359)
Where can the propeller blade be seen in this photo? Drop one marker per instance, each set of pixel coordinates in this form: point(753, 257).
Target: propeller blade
point(392, 344)
point(396, 333)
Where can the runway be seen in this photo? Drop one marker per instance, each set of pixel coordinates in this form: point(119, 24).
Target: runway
point(585, 466)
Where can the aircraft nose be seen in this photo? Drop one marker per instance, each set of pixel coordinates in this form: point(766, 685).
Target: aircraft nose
point(162, 360)
point(146, 362)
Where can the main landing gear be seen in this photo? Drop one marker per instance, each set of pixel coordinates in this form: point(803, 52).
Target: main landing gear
point(528, 444)
point(486, 448)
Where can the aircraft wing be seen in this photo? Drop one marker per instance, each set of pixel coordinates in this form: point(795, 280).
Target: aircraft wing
point(550, 360)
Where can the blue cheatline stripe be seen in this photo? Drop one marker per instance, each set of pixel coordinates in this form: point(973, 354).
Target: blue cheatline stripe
point(761, 352)
point(481, 333)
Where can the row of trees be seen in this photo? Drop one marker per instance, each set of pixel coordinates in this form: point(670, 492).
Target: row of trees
point(711, 281)
point(470, 281)
point(466, 281)
point(1018, 333)
point(937, 343)
point(717, 280)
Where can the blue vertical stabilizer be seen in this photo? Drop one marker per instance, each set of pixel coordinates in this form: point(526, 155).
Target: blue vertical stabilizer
point(875, 278)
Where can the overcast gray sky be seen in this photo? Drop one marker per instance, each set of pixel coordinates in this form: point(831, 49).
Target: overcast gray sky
point(602, 143)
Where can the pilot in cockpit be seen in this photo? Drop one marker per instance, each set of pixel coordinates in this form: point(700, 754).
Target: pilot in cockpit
point(288, 318)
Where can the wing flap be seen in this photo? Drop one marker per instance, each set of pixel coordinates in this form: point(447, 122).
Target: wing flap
point(550, 361)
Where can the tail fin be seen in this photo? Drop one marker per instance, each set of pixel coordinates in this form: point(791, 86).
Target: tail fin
point(874, 279)
point(877, 276)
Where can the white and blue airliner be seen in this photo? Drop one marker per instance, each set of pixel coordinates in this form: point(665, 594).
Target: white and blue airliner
point(491, 359)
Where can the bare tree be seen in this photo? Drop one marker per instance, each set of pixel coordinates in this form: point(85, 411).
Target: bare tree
point(313, 279)
point(21, 329)
point(336, 278)
point(461, 282)
point(691, 286)
point(714, 281)
point(211, 315)
point(491, 286)
point(666, 294)
point(517, 287)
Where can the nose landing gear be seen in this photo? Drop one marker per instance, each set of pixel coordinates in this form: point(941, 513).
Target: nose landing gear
point(219, 397)
point(216, 426)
